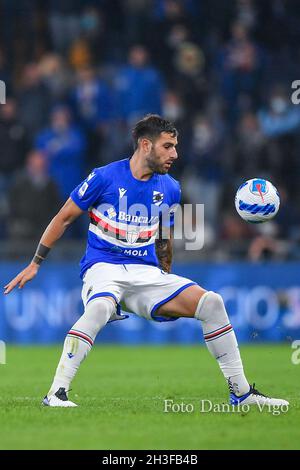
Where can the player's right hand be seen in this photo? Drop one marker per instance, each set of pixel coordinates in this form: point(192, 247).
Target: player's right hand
point(24, 276)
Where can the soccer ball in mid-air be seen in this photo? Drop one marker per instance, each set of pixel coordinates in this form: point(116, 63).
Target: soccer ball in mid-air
point(257, 200)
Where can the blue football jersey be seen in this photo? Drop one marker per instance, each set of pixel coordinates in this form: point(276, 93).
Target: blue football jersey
point(125, 214)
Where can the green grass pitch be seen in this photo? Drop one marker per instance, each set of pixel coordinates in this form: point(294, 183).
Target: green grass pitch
point(121, 392)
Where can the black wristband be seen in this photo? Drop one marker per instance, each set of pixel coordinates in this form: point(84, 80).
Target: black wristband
point(40, 253)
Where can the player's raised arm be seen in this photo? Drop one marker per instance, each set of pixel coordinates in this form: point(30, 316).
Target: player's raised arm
point(67, 214)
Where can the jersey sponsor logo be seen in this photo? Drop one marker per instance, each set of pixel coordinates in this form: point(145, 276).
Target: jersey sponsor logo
point(111, 213)
point(82, 189)
point(157, 198)
point(139, 219)
point(136, 252)
point(122, 192)
point(127, 234)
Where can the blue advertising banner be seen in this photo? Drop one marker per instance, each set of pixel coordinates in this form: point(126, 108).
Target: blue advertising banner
point(263, 302)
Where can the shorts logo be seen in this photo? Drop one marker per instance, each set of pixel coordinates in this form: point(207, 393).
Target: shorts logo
point(89, 292)
point(157, 198)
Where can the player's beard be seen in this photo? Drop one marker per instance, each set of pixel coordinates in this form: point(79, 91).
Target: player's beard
point(154, 163)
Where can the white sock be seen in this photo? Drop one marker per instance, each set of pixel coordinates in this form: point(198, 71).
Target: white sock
point(80, 339)
point(221, 341)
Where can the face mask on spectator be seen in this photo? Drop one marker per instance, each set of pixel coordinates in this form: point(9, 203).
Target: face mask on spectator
point(278, 105)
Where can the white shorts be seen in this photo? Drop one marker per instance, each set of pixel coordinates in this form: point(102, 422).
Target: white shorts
point(142, 288)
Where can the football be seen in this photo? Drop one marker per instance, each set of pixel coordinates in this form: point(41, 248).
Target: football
point(257, 200)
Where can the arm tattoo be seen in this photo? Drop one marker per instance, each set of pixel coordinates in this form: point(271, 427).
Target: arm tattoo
point(164, 253)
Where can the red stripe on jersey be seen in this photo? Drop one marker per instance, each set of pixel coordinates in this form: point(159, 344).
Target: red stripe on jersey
point(115, 230)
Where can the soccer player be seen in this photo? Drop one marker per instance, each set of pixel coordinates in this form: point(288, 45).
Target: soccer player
point(128, 258)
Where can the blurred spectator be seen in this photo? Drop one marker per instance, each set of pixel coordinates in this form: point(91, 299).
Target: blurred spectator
point(251, 152)
point(92, 104)
point(246, 13)
point(136, 18)
point(281, 116)
point(138, 90)
point(80, 54)
point(12, 140)
point(189, 78)
point(64, 22)
point(91, 100)
point(93, 30)
point(288, 218)
point(33, 200)
point(64, 146)
point(172, 25)
point(204, 170)
point(240, 68)
point(174, 110)
point(34, 100)
point(55, 75)
point(138, 87)
point(263, 248)
point(234, 228)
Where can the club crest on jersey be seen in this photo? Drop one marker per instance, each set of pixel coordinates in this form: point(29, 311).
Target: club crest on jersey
point(157, 198)
point(132, 234)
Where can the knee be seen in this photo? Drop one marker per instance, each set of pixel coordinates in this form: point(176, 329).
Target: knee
point(100, 310)
point(211, 303)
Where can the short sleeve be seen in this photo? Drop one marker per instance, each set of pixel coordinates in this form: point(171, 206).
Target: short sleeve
point(89, 191)
point(168, 215)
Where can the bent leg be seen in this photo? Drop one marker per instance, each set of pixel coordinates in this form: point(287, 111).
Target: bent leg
point(184, 304)
point(80, 339)
point(209, 308)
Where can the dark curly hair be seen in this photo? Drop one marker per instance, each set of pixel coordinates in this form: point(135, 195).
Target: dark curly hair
point(151, 126)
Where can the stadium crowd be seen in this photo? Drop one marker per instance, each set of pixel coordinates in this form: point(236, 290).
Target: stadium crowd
point(79, 73)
